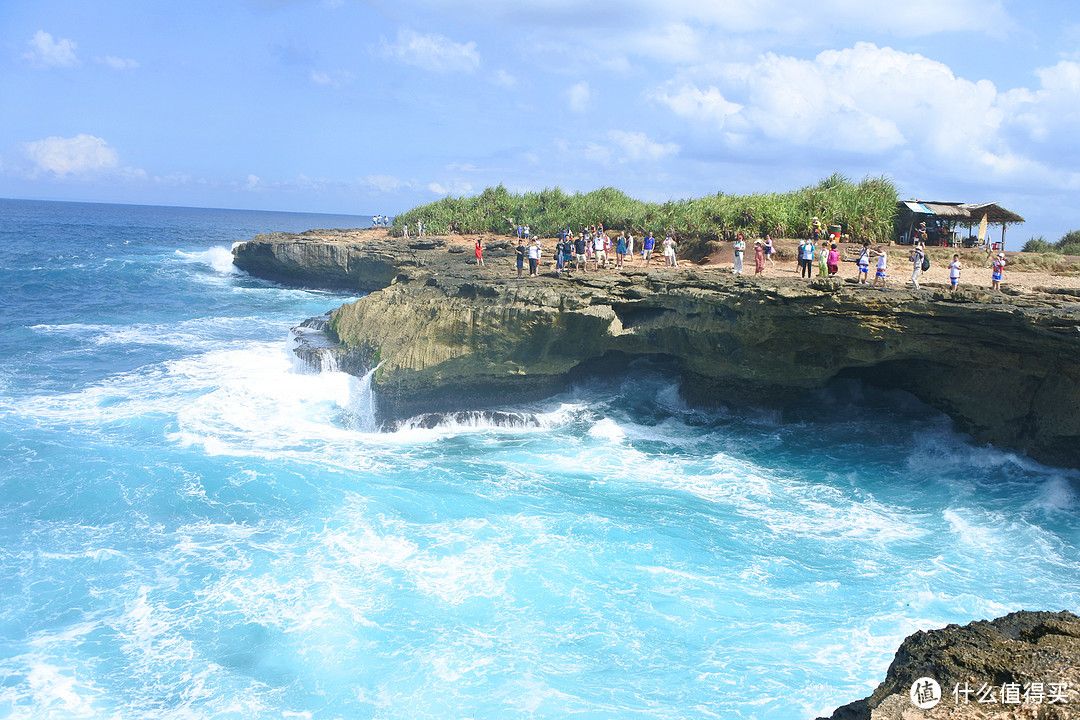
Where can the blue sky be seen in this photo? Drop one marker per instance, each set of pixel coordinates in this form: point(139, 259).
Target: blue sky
point(373, 106)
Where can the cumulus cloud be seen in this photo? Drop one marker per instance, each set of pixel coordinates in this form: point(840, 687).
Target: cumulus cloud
point(47, 52)
point(432, 52)
point(638, 146)
point(117, 63)
point(579, 95)
point(689, 101)
point(873, 101)
point(64, 157)
point(863, 99)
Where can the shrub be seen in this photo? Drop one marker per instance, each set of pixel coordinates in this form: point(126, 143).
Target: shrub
point(865, 211)
point(1037, 245)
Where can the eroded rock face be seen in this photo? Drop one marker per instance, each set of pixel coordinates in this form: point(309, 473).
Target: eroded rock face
point(455, 337)
point(1033, 656)
point(325, 258)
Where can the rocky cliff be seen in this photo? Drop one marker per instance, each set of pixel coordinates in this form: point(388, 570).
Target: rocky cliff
point(451, 335)
point(1023, 665)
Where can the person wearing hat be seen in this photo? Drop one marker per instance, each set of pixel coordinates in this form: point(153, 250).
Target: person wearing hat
point(998, 270)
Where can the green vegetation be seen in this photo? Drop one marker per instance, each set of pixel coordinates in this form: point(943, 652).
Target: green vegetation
point(864, 210)
point(1067, 245)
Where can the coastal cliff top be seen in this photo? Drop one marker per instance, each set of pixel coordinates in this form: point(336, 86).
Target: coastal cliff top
point(1025, 273)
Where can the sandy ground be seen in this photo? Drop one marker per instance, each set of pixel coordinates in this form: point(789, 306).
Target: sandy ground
point(975, 273)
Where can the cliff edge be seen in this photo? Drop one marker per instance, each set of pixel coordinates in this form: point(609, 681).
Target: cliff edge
point(1023, 665)
point(449, 335)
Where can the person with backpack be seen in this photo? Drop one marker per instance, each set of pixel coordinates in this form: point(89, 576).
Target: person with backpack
point(919, 262)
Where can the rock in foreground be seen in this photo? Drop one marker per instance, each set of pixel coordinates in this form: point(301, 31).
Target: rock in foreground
point(1031, 657)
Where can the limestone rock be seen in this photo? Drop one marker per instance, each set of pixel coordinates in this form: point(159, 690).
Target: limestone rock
point(451, 336)
point(1036, 652)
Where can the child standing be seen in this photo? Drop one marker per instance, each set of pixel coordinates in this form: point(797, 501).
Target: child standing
point(864, 263)
point(954, 272)
point(999, 270)
point(882, 261)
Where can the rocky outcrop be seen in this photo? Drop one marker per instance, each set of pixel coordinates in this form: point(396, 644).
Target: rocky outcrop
point(450, 336)
point(1023, 665)
point(325, 258)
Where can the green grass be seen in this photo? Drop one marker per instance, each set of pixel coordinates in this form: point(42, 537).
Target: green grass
point(864, 210)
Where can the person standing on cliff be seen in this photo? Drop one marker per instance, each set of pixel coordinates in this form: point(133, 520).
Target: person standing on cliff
point(739, 246)
point(882, 261)
point(646, 249)
point(806, 259)
point(520, 258)
point(917, 255)
point(832, 262)
point(864, 263)
point(580, 258)
point(759, 257)
point(534, 257)
point(770, 251)
point(479, 251)
point(669, 251)
point(560, 248)
point(998, 269)
point(954, 272)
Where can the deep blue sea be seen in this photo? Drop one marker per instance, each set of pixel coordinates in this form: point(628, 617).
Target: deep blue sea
point(191, 526)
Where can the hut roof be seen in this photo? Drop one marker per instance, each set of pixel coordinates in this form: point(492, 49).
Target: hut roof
point(995, 214)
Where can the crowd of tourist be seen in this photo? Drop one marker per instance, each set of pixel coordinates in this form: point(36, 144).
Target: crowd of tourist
point(594, 247)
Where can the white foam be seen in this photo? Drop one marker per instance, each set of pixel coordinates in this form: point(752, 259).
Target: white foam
point(197, 334)
point(218, 258)
point(607, 429)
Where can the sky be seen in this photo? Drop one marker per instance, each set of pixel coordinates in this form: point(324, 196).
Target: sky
point(375, 106)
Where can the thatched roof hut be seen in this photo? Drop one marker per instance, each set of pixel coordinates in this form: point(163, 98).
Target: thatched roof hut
point(941, 218)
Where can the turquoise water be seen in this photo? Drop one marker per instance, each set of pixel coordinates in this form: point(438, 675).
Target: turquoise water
point(193, 527)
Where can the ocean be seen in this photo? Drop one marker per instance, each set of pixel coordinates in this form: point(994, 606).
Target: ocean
point(192, 525)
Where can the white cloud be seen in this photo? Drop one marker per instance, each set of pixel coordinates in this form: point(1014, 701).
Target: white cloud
point(688, 101)
point(80, 155)
point(456, 187)
point(579, 95)
point(674, 42)
point(873, 101)
point(432, 52)
point(117, 63)
point(334, 79)
point(597, 153)
point(504, 79)
point(638, 146)
point(45, 52)
point(383, 183)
